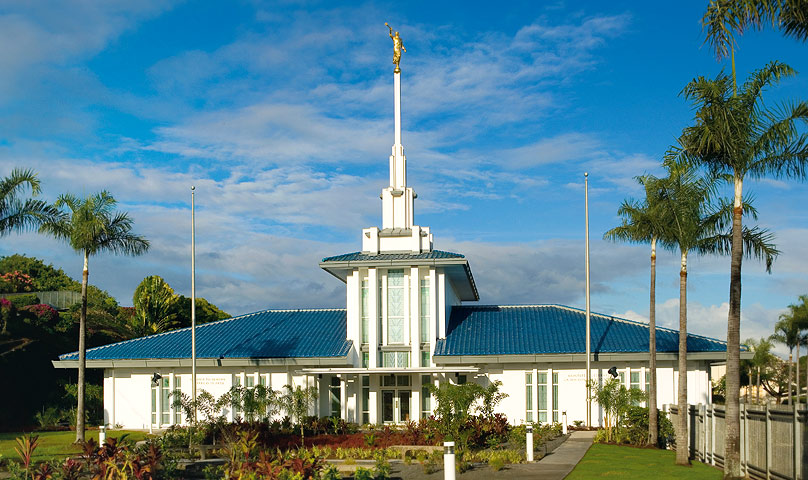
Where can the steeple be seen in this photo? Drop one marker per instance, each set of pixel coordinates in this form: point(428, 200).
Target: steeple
point(398, 233)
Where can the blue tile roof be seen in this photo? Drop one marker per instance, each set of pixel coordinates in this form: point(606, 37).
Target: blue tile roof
point(268, 334)
point(360, 257)
point(548, 329)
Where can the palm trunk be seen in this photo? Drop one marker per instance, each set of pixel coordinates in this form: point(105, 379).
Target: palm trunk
point(797, 377)
point(85, 274)
point(682, 453)
point(652, 396)
point(732, 445)
point(788, 385)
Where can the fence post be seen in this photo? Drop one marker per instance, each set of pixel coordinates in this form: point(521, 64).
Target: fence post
point(704, 433)
point(712, 435)
point(768, 442)
point(744, 440)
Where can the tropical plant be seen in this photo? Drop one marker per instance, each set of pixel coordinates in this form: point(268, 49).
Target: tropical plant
point(154, 301)
point(697, 225)
point(615, 399)
point(788, 332)
point(736, 136)
point(759, 363)
point(92, 226)
point(297, 401)
point(18, 214)
point(643, 222)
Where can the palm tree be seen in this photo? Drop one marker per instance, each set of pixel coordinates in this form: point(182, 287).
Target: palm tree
point(92, 226)
point(17, 214)
point(787, 332)
point(725, 17)
point(761, 359)
point(698, 225)
point(642, 222)
point(738, 137)
point(154, 302)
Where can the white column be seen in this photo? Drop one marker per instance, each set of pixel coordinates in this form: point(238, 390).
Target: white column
point(433, 313)
point(373, 402)
point(373, 319)
point(550, 406)
point(442, 305)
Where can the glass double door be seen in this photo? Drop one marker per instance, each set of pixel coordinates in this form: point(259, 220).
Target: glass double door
point(396, 406)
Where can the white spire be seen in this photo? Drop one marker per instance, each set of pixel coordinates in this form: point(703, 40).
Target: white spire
point(397, 199)
point(398, 233)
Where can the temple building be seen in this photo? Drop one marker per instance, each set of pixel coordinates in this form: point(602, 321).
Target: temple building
point(410, 321)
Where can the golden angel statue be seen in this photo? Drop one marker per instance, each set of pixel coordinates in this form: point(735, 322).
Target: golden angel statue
point(398, 47)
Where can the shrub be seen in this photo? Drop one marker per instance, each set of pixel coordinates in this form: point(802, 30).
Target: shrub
point(25, 300)
point(635, 428)
point(363, 474)
point(497, 463)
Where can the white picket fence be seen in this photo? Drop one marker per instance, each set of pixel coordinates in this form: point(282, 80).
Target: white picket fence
point(772, 443)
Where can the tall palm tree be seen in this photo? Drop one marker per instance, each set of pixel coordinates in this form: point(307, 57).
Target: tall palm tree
point(737, 136)
point(643, 222)
point(16, 213)
point(91, 226)
point(698, 225)
point(787, 332)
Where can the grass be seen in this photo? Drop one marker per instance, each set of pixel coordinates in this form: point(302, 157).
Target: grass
point(615, 461)
point(56, 445)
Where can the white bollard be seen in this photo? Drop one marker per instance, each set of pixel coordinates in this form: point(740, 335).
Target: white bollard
point(529, 443)
point(448, 461)
point(102, 434)
point(564, 423)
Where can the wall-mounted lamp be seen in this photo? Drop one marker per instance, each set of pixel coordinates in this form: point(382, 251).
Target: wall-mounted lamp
point(155, 379)
point(613, 372)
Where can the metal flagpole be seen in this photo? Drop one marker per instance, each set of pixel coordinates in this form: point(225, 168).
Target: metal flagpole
point(588, 340)
point(193, 304)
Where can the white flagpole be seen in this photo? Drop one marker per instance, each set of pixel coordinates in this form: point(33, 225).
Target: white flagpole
point(193, 304)
point(588, 333)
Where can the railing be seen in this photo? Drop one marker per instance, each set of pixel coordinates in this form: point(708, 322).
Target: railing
point(58, 299)
point(772, 442)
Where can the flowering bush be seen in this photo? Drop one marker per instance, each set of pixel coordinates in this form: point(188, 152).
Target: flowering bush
point(16, 282)
point(7, 311)
point(42, 314)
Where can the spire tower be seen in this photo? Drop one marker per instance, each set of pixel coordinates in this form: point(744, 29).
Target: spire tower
point(398, 233)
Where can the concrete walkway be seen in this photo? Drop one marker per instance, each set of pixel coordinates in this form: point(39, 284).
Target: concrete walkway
point(560, 462)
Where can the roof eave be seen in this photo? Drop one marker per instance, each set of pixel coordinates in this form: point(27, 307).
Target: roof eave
point(207, 362)
point(576, 357)
point(468, 294)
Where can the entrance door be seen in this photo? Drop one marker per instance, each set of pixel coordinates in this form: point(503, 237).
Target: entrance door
point(396, 406)
point(388, 407)
point(403, 413)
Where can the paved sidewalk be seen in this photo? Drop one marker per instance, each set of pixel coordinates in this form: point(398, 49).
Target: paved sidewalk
point(560, 462)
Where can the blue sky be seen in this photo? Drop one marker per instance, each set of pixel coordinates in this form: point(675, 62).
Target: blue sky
point(281, 115)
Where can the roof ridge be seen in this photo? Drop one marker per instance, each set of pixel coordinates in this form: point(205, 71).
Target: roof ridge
point(603, 315)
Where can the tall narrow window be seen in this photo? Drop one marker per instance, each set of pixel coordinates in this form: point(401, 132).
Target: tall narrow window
point(177, 411)
point(334, 395)
point(647, 380)
point(635, 382)
point(365, 359)
point(541, 392)
point(165, 403)
point(236, 404)
point(426, 380)
point(528, 397)
point(395, 306)
point(365, 314)
point(425, 310)
point(365, 399)
point(425, 358)
point(154, 404)
point(555, 396)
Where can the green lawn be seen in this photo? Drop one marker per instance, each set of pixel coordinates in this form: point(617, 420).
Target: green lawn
point(628, 462)
point(56, 445)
